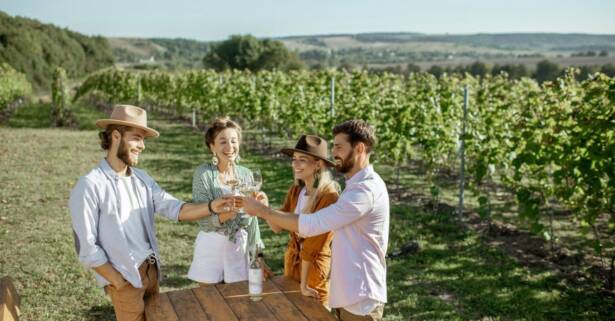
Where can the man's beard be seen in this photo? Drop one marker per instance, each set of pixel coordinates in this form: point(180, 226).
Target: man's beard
point(346, 164)
point(123, 153)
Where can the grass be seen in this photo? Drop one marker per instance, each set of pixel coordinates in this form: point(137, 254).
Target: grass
point(457, 275)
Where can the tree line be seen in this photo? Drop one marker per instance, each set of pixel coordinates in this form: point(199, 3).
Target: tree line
point(36, 49)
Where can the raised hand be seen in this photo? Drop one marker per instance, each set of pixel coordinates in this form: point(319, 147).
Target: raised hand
point(252, 206)
point(223, 204)
point(262, 197)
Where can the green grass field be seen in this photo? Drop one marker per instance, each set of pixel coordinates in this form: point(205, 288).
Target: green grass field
point(457, 274)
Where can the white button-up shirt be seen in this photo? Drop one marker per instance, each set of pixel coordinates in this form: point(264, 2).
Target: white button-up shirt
point(100, 236)
point(360, 221)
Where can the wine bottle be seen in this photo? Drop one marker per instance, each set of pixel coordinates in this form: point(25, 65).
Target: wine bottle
point(255, 277)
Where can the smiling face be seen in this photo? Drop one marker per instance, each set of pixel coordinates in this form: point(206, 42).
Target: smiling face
point(343, 153)
point(226, 145)
point(305, 166)
point(131, 144)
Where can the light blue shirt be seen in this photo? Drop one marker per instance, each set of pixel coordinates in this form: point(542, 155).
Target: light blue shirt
point(95, 211)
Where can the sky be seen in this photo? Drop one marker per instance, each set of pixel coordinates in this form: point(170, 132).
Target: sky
point(216, 20)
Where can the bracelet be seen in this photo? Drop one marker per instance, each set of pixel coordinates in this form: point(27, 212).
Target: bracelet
point(211, 211)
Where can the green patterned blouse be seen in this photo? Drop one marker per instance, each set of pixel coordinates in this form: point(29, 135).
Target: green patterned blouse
point(206, 187)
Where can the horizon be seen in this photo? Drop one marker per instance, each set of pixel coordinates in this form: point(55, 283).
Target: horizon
point(198, 20)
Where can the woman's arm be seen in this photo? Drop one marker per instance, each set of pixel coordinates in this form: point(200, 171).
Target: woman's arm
point(305, 289)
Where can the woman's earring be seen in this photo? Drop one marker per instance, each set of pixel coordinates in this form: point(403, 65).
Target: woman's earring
point(214, 160)
point(316, 179)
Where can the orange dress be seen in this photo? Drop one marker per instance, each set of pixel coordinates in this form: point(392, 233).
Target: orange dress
point(316, 249)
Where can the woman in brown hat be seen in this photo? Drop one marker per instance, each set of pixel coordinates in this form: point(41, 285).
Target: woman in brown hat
point(308, 260)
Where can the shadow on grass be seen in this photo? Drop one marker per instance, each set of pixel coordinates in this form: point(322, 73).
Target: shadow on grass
point(31, 116)
point(175, 276)
point(458, 276)
point(100, 313)
point(38, 115)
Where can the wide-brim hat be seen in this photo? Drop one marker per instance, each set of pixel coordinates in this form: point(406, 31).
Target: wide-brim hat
point(311, 145)
point(127, 115)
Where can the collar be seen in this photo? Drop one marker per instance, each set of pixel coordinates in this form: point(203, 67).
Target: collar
point(360, 175)
point(109, 171)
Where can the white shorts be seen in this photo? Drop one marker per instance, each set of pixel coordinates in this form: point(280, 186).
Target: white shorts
point(216, 258)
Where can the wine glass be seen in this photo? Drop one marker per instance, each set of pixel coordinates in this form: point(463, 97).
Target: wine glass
point(231, 180)
point(257, 180)
point(250, 186)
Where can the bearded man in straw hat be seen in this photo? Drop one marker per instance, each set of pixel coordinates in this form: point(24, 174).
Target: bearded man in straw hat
point(112, 210)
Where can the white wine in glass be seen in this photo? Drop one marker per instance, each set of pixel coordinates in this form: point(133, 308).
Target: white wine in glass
point(257, 180)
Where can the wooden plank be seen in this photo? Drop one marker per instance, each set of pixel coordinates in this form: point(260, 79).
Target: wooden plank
point(309, 307)
point(236, 295)
point(282, 308)
point(213, 304)
point(9, 300)
point(160, 310)
point(246, 309)
point(186, 306)
point(241, 289)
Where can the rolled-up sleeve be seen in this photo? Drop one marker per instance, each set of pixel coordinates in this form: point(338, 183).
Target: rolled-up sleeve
point(355, 202)
point(165, 204)
point(83, 205)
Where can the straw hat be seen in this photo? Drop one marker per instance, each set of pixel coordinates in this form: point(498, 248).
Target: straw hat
point(127, 115)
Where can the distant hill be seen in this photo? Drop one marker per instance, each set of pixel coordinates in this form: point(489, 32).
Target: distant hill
point(392, 48)
point(381, 49)
point(36, 49)
point(170, 53)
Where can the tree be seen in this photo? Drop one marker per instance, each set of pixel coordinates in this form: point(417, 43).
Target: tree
point(411, 67)
point(478, 69)
point(585, 71)
point(247, 52)
point(36, 49)
point(517, 71)
point(546, 71)
point(608, 70)
point(436, 70)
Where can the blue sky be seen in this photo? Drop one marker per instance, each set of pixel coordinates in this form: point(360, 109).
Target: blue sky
point(216, 20)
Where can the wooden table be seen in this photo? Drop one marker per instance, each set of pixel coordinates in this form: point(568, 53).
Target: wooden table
point(282, 300)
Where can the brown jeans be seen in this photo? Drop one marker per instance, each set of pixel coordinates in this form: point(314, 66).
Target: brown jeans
point(128, 301)
point(375, 315)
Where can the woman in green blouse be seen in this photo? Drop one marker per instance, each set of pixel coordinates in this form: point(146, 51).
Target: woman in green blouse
point(224, 240)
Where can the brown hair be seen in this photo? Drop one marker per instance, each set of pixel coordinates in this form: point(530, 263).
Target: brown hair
point(219, 124)
point(358, 131)
point(105, 136)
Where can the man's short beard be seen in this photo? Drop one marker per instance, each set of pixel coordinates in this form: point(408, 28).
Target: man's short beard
point(123, 153)
point(346, 165)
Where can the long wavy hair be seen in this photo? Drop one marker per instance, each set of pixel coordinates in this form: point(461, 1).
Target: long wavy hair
point(323, 180)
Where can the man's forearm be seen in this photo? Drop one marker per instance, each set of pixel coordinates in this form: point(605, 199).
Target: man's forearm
point(192, 212)
point(287, 221)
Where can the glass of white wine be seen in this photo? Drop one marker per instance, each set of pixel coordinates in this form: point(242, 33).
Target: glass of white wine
point(231, 180)
point(257, 180)
point(250, 187)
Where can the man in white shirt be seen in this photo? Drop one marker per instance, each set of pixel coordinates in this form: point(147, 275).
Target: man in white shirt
point(360, 221)
point(112, 209)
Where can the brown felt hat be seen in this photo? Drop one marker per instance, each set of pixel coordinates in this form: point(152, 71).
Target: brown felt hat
point(311, 145)
point(127, 115)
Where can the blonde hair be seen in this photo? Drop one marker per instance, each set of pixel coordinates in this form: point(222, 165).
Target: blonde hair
point(323, 181)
